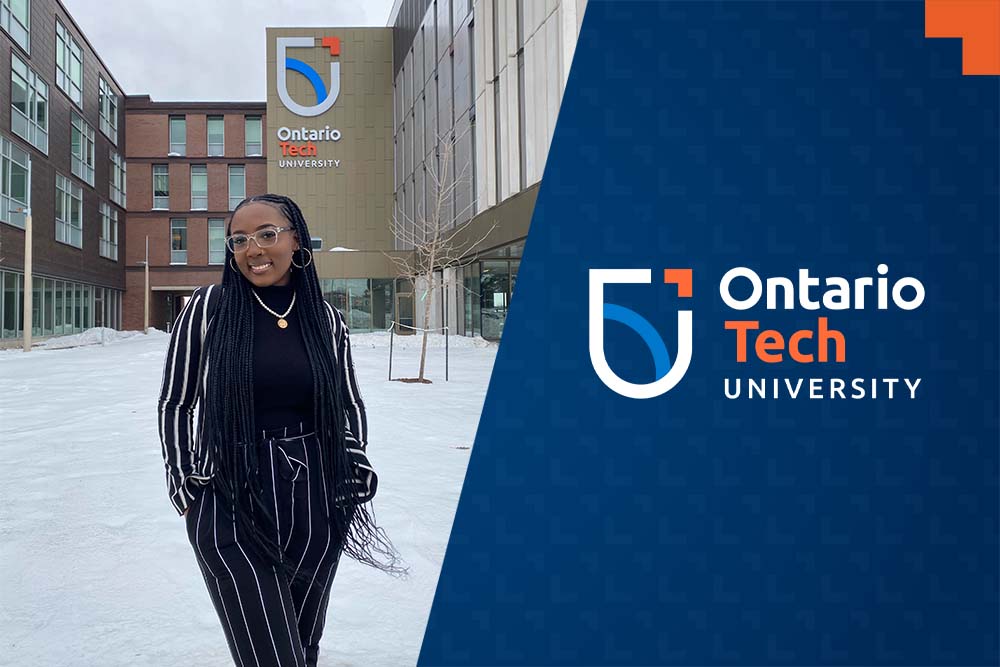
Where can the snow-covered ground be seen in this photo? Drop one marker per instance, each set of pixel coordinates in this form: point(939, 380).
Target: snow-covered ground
point(95, 566)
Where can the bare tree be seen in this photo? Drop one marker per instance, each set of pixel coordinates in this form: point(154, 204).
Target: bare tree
point(437, 244)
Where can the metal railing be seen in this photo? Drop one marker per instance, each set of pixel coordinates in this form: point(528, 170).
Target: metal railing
point(392, 336)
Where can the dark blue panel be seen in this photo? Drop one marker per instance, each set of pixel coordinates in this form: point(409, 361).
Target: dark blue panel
point(691, 529)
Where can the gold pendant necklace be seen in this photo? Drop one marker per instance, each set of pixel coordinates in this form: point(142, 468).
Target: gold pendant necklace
point(282, 322)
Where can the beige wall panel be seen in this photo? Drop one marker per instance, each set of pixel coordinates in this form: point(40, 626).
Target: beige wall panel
point(346, 205)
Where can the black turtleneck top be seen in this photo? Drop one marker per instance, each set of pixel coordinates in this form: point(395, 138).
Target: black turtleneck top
point(283, 382)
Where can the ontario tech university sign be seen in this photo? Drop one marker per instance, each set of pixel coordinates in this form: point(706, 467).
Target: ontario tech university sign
point(301, 146)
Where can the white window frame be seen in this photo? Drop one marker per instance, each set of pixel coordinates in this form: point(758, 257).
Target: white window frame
point(236, 198)
point(19, 31)
point(199, 202)
point(162, 202)
point(219, 253)
point(27, 126)
point(215, 149)
point(176, 256)
point(176, 148)
point(253, 148)
point(11, 153)
point(83, 164)
point(109, 231)
point(108, 104)
point(68, 54)
point(116, 179)
point(69, 228)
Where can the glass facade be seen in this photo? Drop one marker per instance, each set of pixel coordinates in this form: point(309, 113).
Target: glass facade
point(58, 307)
point(404, 303)
point(485, 287)
point(368, 304)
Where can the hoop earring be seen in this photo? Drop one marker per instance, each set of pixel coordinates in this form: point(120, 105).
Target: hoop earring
point(231, 265)
point(308, 262)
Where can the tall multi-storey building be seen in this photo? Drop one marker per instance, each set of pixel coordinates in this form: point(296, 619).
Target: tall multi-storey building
point(329, 138)
point(479, 80)
point(352, 128)
point(487, 75)
point(190, 164)
point(62, 156)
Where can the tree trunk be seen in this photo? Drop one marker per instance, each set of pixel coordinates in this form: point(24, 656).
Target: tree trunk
point(428, 298)
point(423, 356)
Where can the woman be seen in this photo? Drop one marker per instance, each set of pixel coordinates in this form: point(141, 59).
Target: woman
point(274, 486)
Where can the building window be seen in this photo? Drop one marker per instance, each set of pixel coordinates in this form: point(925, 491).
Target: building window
point(317, 243)
point(69, 211)
point(216, 136)
point(199, 187)
point(29, 105)
point(237, 185)
point(161, 186)
point(11, 313)
point(178, 241)
point(117, 179)
point(108, 104)
point(69, 64)
point(254, 136)
point(15, 170)
point(178, 135)
point(82, 148)
point(216, 240)
point(14, 20)
point(109, 231)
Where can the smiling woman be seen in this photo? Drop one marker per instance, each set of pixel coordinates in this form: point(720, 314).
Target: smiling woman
point(263, 252)
point(277, 484)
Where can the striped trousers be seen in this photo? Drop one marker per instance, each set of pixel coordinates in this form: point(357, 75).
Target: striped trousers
point(268, 620)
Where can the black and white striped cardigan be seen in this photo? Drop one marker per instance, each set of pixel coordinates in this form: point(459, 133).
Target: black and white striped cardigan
point(188, 466)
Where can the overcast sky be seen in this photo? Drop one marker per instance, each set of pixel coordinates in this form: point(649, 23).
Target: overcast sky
point(203, 50)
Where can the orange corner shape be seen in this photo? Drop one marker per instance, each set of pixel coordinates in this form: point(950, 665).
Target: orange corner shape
point(976, 22)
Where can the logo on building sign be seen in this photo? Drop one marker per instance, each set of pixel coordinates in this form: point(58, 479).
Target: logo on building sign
point(324, 98)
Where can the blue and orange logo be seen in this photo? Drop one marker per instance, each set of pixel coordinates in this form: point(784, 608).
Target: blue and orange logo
point(668, 374)
point(325, 98)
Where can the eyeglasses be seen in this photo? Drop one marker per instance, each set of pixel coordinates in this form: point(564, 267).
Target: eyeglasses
point(264, 238)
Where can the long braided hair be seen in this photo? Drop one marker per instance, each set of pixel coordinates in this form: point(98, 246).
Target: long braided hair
point(230, 433)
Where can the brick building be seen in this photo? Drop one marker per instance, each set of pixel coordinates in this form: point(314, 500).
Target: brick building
point(487, 76)
point(62, 140)
point(190, 163)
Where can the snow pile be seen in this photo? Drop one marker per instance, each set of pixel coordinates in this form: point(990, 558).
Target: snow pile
point(95, 565)
point(380, 339)
point(95, 336)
